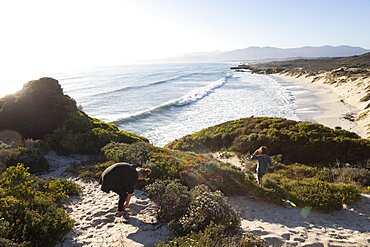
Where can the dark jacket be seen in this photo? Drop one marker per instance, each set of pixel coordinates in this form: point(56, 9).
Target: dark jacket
point(120, 178)
point(263, 161)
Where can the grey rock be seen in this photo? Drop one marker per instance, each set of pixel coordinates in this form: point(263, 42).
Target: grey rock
point(286, 235)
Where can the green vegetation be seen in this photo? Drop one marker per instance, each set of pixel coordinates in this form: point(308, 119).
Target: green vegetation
point(83, 134)
point(281, 184)
point(314, 65)
point(188, 188)
point(32, 155)
point(29, 214)
point(37, 110)
point(41, 111)
point(216, 176)
point(192, 211)
point(164, 163)
point(297, 141)
point(214, 235)
point(310, 192)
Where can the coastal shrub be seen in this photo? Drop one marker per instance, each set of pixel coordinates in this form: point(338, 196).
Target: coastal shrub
point(168, 164)
point(217, 176)
point(58, 189)
point(32, 155)
point(83, 134)
point(349, 175)
point(207, 206)
point(28, 208)
point(4, 242)
point(192, 211)
point(300, 142)
point(41, 111)
point(297, 171)
point(90, 171)
point(310, 192)
point(214, 235)
point(135, 153)
point(171, 197)
point(164, 163)
point(165, 166)
point(37, 110)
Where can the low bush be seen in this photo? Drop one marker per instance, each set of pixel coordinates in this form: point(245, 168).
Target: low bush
point(297, 171)
point(32, 155)
point(192, 211)
point(135, 153)
point(164, 163)
point(217, 176)
point(214, 235)
point(310, 192)
point(83, 134)
point(349, 175)
point(28, 208)
point(8, 243)
point(207, 206)
point(58, 189)
point(90, 171)
point(171, 197)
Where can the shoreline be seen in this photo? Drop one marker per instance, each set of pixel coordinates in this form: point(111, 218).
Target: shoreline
point(318, 103)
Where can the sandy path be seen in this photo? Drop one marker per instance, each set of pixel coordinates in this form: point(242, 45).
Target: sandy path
point(96, 225)
point(93, 213)
point(290, 226)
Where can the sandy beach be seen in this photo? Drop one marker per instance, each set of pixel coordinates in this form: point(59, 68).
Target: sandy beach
point(320, 103)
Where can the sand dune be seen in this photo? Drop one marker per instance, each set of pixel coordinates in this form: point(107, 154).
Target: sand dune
point(93, 213)
point(96, 225)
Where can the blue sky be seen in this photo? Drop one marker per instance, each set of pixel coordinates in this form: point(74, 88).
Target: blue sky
point(53, 34)
point(281, 23)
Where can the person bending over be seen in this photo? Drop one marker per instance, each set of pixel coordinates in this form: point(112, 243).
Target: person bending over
point(121, 178)
point(263, 161)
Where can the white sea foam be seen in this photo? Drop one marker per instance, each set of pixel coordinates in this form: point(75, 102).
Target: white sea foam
point(200, 93)
point(199, 96)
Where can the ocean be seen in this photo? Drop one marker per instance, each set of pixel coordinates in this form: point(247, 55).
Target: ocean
point(163, 102)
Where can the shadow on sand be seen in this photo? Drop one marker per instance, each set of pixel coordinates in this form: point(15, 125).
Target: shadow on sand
point(355, 217)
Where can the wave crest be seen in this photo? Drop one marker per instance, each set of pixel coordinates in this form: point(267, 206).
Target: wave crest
point(200, 93)
point(188, 99)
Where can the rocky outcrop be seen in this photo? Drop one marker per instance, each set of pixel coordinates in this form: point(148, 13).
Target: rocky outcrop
point(41, 111)
point(37, 110)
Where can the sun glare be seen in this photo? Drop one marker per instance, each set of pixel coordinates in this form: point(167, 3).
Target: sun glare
point(40, 36)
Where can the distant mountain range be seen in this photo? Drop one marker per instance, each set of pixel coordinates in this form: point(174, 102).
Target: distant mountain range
point(270, 53)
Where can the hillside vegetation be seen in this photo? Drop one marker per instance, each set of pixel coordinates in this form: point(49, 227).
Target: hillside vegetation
point(362, 62)
point(189, 188)
point(302, 142)
point(35, 120)
point(41, 111)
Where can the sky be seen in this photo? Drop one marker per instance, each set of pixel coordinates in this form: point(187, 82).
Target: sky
point(42, 35)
